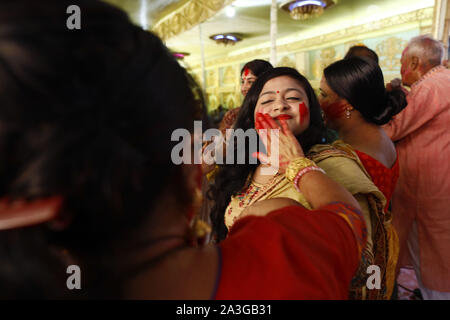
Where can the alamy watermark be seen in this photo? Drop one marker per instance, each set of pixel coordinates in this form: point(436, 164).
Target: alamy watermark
point(74, 279)
point(74, 20)
point(374, 280)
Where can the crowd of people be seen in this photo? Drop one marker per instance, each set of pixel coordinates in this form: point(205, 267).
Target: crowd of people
point(86, 136)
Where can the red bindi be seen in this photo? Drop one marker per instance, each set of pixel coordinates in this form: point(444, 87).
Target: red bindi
point(278, 91)
point(246, 71)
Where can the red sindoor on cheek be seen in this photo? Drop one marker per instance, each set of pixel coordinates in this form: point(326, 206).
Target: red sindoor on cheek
point(333, 110)
point(303, 112)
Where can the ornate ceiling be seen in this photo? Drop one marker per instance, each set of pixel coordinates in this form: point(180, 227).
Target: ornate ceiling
point(176, 21)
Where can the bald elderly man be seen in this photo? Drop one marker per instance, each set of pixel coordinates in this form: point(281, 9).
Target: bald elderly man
point(421, 202)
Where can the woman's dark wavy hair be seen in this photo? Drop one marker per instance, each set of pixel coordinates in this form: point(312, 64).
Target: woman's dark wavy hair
point(232, 178)
point(257, 67)
point(360, 81)
point(86, 114)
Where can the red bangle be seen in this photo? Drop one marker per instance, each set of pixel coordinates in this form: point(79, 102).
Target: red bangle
point(302, 172)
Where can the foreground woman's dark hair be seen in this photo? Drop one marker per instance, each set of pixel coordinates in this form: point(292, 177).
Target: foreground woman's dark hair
point(81, 117)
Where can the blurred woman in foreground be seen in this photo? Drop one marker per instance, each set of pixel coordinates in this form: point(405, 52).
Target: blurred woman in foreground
point(86, 123)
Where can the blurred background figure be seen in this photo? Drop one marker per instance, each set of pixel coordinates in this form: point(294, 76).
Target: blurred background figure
point(251, 71)
point(249, 74)
point(217, 115)
point(420, 204)
point(361, 51)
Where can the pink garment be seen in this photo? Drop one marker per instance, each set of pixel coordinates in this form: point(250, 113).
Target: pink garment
point(422, 135)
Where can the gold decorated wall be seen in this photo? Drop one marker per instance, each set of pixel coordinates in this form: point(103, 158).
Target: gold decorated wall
point(187, 15)
point(387, 37)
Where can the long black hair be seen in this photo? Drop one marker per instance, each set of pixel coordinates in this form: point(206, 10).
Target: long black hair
point(232, 178)
point(87, 115)
point(360, 81)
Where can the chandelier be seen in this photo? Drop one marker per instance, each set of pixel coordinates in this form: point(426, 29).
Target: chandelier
point(304, 9)
point(226, 38)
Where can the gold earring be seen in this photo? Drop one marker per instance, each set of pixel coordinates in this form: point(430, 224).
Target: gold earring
point(198, 229)
point(347, 113)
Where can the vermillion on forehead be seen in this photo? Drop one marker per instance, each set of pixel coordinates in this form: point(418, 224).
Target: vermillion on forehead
point(246, 71)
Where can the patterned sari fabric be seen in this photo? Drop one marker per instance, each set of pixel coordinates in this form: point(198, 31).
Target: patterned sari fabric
point(343, 165)
point(278, 187)
point(292, 253)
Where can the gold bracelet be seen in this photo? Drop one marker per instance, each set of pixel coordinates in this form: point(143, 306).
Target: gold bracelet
point(296, 165)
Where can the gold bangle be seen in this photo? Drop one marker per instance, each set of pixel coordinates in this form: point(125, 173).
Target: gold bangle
point(296, 165)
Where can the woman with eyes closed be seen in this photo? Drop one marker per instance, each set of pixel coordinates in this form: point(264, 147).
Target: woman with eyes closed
point(284, 96)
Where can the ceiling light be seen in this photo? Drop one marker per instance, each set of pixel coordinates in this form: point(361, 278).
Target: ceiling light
point(226, 38)
point(230, 11)
point(304, 9)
